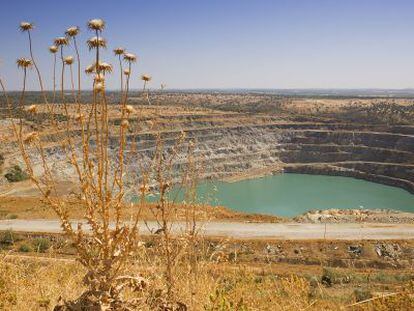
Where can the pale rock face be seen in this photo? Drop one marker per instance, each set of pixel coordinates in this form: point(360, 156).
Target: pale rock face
point(232, 139)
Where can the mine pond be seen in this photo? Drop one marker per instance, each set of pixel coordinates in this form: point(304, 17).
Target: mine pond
point(293, 194)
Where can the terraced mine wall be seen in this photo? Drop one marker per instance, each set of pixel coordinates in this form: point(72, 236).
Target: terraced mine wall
point(232, 144)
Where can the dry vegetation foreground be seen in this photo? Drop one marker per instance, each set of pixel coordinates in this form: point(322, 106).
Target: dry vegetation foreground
point(231, 275)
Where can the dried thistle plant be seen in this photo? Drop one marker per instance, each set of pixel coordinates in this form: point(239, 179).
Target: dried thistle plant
point(24, 64)
point(102, 249)
point(146, 78)
point(71, 33)
point(54, 49)
point(28, 27)
point(119, 51)
point(103, 239)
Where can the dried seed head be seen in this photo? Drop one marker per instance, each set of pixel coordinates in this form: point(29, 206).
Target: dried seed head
point(96, 24)
point(31, 137)
point(24, 62)
point(26, 26)
point(68, 60)
point(105, 67)
point(129, 109)
point(53, 49)
point(119, 51)
point(59, 41)
point(125, 124)
point(129, 57)
point(90, 69)
point(32, 109)
point(127, 72)
point(96, 42)
point(72, 31)
point(146, 78)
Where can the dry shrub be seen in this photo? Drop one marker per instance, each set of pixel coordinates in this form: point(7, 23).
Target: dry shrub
point(106, 244)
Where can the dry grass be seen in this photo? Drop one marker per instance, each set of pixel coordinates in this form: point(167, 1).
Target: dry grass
point(216, 289)
point(223, 286)
point(251, 282)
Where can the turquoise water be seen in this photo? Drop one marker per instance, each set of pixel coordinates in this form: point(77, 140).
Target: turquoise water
point(293, 194)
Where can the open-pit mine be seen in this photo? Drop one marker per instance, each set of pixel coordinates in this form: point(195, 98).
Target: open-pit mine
point(239, 136)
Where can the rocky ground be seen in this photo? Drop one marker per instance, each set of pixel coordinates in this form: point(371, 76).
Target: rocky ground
point(355, 216)
point(378, 254)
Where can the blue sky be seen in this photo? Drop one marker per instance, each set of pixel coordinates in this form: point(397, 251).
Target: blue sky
point(230, 43)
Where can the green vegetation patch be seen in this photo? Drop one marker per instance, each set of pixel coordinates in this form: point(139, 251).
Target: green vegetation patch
point(16, 174)
point(41, 245)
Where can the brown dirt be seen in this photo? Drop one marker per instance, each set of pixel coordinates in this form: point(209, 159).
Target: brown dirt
point(36, 208)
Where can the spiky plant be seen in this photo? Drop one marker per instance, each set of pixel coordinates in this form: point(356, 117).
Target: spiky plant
point(54, 49)
point(104, 68)
point(90, 69)
point(119, 51)
point(28, 27)
point(96, 42)
point(105, 255)
point(129, 58)
point(105, 247)
point(61, 42)
point(96, 24)
point(146, 78)
point(72, 33)
point(24, 64)
point(68, 60)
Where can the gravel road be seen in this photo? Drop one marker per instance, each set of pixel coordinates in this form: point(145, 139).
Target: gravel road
point(287, 231)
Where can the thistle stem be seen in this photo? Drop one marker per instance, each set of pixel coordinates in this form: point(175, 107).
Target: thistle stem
point(79, 68)
point(39, 76)
point(54, 78)
point(122, 75)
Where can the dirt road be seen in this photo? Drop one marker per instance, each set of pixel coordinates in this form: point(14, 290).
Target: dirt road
point(287, 231)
